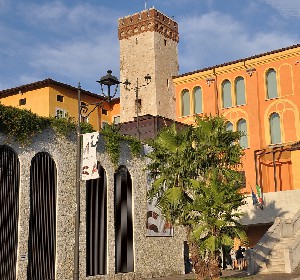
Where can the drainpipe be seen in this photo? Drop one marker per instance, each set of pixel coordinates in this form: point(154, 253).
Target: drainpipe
point(274, 165)
point(216, 91)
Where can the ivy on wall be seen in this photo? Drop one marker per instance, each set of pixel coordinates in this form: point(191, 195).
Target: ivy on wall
point(22, 125)
point(113, 138)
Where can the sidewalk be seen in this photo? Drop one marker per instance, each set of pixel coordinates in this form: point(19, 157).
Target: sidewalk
point(238, 274)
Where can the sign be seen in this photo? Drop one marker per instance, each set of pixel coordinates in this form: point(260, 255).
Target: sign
point(89, 169)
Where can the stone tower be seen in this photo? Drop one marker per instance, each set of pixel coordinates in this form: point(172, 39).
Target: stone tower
point(148, 45)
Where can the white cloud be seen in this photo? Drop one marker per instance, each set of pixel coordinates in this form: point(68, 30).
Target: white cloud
point(224, 39)
point(83, 61)
point(286, 7)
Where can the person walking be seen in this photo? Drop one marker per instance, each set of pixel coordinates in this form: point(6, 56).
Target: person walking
point(240, 258)
point(233, 258)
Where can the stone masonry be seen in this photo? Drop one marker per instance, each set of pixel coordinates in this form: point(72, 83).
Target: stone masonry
point(153, 256)
point(148, 45)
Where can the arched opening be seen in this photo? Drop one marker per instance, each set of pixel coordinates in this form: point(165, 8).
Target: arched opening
point(124, 261)
point(42, 222)
point(96, 224)
point(9, 212)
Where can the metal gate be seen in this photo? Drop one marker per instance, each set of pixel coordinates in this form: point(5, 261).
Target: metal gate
point(42, 223)
point(96, 225)
point(123, 221)
point(9, 212)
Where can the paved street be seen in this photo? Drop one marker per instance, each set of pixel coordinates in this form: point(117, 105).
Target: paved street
point(239, 274)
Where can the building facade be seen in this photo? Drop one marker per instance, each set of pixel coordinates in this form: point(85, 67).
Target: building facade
point(49, 98)
point(260, 97)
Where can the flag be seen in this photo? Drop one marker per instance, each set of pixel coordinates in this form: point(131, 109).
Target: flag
point(259, 194)
point(89, 169)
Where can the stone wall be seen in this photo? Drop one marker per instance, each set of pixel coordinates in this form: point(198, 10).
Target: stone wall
point(153, 256)
point(150, 51)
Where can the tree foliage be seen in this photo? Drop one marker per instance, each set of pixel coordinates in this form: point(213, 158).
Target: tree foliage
point(197, 184)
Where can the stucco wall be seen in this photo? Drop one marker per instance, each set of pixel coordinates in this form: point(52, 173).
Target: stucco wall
point(153, 256)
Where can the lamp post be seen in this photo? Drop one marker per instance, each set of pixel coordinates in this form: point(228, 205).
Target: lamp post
point(107, 80)
point(127, 84)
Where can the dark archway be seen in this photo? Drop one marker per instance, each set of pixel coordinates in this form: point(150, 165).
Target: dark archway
point(9, 212)
point(124, 261)
point(96, 225)
point(42, 223)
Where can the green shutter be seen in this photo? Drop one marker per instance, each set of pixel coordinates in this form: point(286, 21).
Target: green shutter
point(240, 91)
point(185, 103)
point(197, 100)
point(275, 130)
point(226, 94)
point(271, 84)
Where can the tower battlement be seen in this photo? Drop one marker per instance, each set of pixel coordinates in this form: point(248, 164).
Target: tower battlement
point(148, 20)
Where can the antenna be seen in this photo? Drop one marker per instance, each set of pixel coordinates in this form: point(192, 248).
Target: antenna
point(145, 3)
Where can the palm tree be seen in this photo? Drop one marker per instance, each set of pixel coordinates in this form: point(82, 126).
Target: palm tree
point(197, 184)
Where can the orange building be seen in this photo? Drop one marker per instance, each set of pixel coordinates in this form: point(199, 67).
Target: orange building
point(50, 98)
point(259, 96)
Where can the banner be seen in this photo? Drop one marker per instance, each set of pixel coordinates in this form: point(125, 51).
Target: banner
point(156, 224)
point(89, 169)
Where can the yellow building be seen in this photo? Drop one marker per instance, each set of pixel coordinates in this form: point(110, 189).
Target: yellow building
point(50, 98)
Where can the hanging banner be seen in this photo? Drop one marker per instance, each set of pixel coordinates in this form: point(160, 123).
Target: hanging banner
point(156, 224)
point(89, 168)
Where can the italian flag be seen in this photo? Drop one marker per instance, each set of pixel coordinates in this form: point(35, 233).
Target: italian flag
point(259, 194)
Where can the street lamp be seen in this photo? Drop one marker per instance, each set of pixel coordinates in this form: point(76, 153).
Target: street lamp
point(107, 80)
point(127, 84)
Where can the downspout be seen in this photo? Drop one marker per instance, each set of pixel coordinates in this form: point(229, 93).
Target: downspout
point(274, 165)
point(216, 92)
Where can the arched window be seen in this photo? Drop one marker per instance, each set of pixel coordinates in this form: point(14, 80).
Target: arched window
point(275, 130)
point(271, 82)
point(185, 102)
point(240, 91)
point(242, 127)
point(226, 94)
point(197, 100)
point(229, 126)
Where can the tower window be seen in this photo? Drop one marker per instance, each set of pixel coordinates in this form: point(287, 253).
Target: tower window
point(60, 98)
point(104, 112)
point(22, 101)
point(165, 41)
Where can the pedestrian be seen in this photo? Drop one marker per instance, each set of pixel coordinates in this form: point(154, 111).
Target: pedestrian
point(233, 258)
point(240, 258)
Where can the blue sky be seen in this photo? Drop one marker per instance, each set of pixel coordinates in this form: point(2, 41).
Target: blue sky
point(75, 41)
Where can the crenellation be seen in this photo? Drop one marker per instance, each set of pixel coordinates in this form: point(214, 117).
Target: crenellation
point(147, 20)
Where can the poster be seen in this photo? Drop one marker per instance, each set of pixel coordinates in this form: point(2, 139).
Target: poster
point(89, 169)
point(156, 224)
